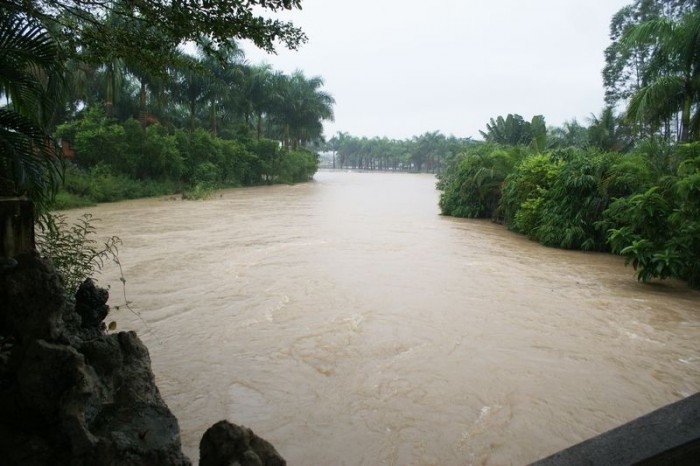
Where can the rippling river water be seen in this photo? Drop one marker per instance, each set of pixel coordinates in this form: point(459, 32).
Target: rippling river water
point(349, 323)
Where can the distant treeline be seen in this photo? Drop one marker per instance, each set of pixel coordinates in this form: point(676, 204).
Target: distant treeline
point(424, 153)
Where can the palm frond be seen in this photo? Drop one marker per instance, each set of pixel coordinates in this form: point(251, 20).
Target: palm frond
point(30, 66)
point(654, 100)
point(30, 161)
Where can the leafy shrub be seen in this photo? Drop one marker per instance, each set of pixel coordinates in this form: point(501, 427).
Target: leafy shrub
point(235, 167)
point(75, 254)
point(474, 189)
point(199, 191)
point(575, 201)
point(65, 200)
point(161, 158)
point(200, 148)
point(524, 189)
point(658, 230)
point(123, 161)
point(297, 166)
point(97, 140)
point(268, 154)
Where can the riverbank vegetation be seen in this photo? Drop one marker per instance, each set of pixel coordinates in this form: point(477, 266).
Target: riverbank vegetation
point(134, 113)
point(628, 183)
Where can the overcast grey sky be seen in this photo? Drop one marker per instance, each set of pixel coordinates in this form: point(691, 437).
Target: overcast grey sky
point(399, 68)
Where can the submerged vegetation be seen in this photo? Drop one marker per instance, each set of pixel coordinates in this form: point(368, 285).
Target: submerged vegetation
point(627, 184)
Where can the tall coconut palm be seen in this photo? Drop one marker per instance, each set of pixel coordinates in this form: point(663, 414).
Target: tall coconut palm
point(146, 79)
point(191, 85)
point(223, 70)
point(31, 79)
point(671, 81)
point(301, 108)
point(257, 97)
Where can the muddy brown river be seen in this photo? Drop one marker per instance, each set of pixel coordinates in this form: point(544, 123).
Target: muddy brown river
point(349, 323)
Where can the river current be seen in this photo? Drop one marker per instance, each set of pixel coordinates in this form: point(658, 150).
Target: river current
point(348, 323)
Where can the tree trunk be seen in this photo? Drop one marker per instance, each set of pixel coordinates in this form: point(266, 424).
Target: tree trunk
point(142, 104)
point(212, 118)
point(109, 97)
point(192, 112)
point(685, 119)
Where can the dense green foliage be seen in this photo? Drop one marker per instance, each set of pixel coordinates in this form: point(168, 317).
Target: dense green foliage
point(125, 160)
point(627, 184)
point(140, 115)
point(474, 188)
point(654, 62)
point(101, 184)
point(31, 69)
point(658, 229)
point(581, 198)
point(148, 31)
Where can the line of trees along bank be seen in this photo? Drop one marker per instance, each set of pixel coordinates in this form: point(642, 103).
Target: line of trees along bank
point(627, 184)
point(127, 160)
point(140, 116)
point(209, 122)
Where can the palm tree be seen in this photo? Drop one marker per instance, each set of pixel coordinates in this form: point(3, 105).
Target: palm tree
point(31, 80)
point(428, 149)
point(191, 85)
point(301, 107)
point(570, 134)
point(146, 79)
point(512, 130)
point(671, 81)
point(80, 78)
point(223, 68)
point(607, 132)
point(257, 94)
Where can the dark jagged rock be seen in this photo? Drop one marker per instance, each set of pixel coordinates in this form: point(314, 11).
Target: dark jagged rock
point(228, 444)
point(31, 300)
point(91, 304)
point(71, 395)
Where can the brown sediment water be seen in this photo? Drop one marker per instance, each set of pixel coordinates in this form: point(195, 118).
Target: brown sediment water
point(348, 323)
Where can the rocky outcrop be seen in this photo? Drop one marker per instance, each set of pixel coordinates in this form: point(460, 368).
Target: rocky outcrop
point(227, 444)
point(70, 394)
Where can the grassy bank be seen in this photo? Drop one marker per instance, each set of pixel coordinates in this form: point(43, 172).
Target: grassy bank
point(89, 187)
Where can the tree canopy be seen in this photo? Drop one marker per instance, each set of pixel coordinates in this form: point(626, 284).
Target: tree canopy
point(653, 65)
point(31, 76)
point(60, 57)
point(148, 30)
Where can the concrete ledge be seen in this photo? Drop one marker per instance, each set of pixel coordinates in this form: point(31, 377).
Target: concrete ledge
point(667, 436)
